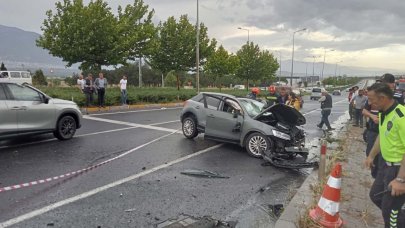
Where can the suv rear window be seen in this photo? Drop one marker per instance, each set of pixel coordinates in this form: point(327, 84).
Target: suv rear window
point(212, 102)
point(316, 90)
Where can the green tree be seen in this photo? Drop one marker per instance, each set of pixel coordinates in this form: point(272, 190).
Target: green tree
point(39, 78)
point(171, 79)
point(82, 34)
point(175, 49)
point(137, 31)
point(2, 67)
point(220, 64)
point(72, 81)
point(256, 65)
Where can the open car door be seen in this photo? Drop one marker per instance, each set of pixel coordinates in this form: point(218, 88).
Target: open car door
point(224, 123)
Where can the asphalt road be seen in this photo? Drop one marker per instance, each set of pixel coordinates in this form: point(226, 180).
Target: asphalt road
point(144, 188)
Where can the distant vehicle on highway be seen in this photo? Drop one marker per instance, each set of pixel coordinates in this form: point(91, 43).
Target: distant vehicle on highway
point(16, 77)
point(245, 122)
point(316, 93)
point(336, 93)
point(239, 87)
point(26, 110)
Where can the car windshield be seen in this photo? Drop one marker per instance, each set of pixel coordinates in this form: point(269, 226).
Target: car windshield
point(252, 107)
point(316, 90)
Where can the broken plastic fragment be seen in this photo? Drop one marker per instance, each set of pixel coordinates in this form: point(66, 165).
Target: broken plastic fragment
point(202, 173)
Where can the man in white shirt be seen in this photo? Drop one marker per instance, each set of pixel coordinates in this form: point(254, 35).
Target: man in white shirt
point(80, 83)
point(123, 86)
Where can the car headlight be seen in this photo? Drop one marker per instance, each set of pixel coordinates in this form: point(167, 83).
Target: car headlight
point(281, 135)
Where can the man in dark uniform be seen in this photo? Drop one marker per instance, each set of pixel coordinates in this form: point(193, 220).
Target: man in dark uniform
point(388, 190)
point(272, 98)
point(326, 106)
point(389, 79)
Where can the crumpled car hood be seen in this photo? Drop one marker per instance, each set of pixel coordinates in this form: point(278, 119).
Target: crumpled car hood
point(285, 114)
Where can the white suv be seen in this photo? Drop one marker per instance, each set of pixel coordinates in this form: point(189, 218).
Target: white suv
point(26, 110)
point(316, 93)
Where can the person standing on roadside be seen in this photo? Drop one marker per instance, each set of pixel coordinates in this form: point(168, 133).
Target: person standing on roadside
point(293, 101)
point(371, 112)
point(358, 102)
point(101, 85)
point(89, 89)
point(350, 104)
point(326, 106)
point(123, 86)
point(283, 98)
point(388, 189)
point(272, 96)
point(80, 83)
point(389, 79)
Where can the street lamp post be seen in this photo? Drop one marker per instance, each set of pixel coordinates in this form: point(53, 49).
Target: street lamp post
point(292, 59)
point(313, 67)
point(336, 67)
point(279, 75)
point(247, 31)
point(198, 50)
point(323, 65)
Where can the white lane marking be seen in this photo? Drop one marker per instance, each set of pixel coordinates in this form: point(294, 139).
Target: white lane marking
point(88, 134)
point(131, 124)
point(164, 122)
point(146, 110)
point(51, 207)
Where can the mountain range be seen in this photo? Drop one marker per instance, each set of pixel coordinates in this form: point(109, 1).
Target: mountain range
point(18, 51)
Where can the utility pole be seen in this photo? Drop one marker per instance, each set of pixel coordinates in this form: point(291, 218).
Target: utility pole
point(292, 59)
point(198, 50)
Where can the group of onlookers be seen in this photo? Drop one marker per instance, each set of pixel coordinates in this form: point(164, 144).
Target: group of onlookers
point(385, 138)
point(88, 86)
point(282, 97)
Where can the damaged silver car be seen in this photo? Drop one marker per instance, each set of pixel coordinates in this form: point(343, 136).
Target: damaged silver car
point(262, 131)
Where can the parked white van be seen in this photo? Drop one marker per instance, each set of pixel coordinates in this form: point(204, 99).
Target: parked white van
point(16, 77)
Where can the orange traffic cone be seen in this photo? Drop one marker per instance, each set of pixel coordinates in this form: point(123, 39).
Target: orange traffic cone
point(327, 211)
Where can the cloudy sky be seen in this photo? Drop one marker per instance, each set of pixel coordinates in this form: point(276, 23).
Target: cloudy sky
point(362, 33)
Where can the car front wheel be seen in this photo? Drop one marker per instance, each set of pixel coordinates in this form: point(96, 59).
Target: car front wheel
point(189, 127)
point(256, 144)
point(65, 128)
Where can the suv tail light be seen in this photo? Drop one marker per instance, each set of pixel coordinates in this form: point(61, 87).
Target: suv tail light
point(184, 104)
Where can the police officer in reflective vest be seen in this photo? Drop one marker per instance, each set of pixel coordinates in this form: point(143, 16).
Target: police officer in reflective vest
point(388, 190)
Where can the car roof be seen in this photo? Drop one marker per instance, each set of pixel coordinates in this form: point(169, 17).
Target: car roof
point(219, 94)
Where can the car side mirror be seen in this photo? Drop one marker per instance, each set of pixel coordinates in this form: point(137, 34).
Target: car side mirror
point(45, 99)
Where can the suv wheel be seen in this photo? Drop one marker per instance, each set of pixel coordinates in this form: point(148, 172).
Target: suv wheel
point(65, 128)
point(189, 127)
point(256, 141)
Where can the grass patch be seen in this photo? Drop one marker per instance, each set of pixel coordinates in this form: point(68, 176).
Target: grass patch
point(335, 156)
point(135, 95)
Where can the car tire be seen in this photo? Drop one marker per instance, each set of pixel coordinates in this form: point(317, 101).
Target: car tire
point(252, 142)
point(65, 128)
point(189, 127)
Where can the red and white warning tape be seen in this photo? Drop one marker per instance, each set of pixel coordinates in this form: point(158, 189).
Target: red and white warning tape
point(75, 173)
point(78, 172)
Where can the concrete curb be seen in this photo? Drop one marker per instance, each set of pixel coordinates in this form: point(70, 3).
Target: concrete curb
point(303, 198)
point(130, 107)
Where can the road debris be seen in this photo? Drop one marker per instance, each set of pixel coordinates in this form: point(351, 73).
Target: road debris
point(130, 210)
point(276, 209)
point(202, 173)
